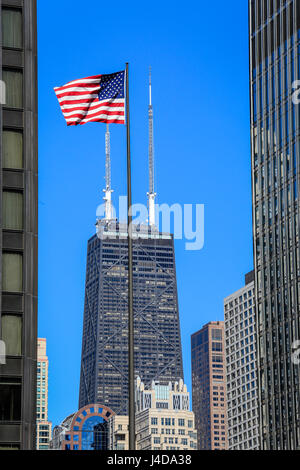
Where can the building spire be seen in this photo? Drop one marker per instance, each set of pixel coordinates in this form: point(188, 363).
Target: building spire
point(108, 191)
point(151, 193)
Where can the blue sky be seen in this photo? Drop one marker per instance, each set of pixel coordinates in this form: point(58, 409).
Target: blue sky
point(199, 56)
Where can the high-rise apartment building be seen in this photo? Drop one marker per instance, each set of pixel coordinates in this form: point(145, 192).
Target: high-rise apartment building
point(44, 427)
point(163, 417)
point(118, 433)
point(209, 386)
point(19, 223)
point(241, 368)
point(275, 120)
point(104, 363)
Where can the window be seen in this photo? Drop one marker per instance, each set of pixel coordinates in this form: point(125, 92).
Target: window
point(12, 210)
point(12, 149)
point(12, 276)
point(12, 30)
point(14, 88)
point(10, 400)
point(12, 334)
point(216, 334)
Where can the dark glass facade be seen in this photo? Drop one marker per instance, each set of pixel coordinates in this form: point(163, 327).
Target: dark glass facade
point(158, 356)
point(274, 67)
point(19, 224)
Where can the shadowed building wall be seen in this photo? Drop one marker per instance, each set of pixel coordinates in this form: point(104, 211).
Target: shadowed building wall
point(19, 223)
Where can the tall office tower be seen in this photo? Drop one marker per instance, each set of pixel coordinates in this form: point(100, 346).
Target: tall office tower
point(158, 356)
point(104, 363)
point(19, 223)
point(163, 417)
point(274, 67)
point(44, 426)
point(241, 368)
point(209, 386)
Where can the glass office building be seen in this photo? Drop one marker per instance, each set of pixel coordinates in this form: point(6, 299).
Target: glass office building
point(274, 68)
point(19, 227)
point(104, 363)
point(43, 426)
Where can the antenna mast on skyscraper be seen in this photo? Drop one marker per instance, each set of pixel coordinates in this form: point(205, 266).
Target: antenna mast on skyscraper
point(108, 191)
point(151, 194)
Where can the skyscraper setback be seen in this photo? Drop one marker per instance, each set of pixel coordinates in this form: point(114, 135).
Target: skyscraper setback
point(275, 120)
point(158, 356)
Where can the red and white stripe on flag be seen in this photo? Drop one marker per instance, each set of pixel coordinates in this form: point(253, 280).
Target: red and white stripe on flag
point(84, 100)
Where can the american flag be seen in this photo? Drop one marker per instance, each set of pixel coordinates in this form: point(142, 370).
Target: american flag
point(100, 98)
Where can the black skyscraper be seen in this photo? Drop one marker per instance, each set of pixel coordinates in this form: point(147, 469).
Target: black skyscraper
point(19, 224)
point(274, 66)
point(104, 363)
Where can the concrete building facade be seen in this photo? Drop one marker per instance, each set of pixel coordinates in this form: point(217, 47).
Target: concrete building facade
point(44, 427)
point(19, 223)
point(163, 417)
point(158, 355)
point(118, 435)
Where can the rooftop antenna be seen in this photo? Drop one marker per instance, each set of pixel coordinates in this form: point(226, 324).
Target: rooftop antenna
point(108, 191)
point(151, 194)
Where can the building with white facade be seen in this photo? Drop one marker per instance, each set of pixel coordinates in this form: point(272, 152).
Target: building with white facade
point(43, 426)
point(241, 367)
point(163, 417)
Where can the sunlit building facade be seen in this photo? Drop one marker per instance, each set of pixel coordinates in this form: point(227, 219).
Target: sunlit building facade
point(163, 417)
point(275, 125)
point(87, 429)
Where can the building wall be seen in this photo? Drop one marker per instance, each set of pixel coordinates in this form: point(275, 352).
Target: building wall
point(118, 435)
point(44, 427)
point(165, 430)
point(19, 224)
point(209, 386)
point(104, 364)
point(274, 66)
point(87, 429)
point(163, 417)
point(241, 368)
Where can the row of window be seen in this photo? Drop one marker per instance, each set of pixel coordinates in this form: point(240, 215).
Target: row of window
point(12, 209)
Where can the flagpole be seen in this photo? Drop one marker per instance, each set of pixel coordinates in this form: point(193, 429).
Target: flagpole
point(131, 377)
